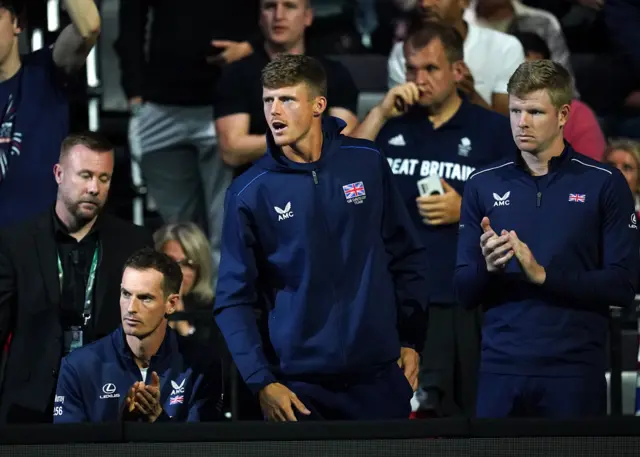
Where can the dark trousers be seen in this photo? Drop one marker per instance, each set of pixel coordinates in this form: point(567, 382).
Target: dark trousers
point(450, 361)
point(383, 395)
point(535, 396)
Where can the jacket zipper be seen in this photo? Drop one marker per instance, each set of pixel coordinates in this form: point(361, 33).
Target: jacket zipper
point(331, 285)
point(538, 199)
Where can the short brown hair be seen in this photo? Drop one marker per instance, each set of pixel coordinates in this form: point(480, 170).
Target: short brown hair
point(422, 34)
point(289, 70)
point(542, 75)
point(90, 140)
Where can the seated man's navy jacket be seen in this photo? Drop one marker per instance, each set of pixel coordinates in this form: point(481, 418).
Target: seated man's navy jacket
point(94, 381)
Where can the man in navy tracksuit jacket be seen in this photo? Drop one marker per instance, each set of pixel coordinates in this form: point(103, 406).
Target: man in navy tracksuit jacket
point(317, 233)
point(442, 134)
point(548, 242)
point(96, 382)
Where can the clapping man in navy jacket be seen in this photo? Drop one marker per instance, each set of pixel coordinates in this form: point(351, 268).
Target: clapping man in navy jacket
point(548, 242)
point(144, 370)
point(316, 233)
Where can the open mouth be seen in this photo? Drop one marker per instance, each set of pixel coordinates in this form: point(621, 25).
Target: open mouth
point(278, 126)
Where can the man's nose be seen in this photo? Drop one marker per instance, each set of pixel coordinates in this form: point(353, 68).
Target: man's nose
point(275, 107)
point(93, 186)
point(279, 12)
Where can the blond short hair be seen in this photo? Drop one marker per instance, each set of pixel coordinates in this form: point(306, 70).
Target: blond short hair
point(196, 248)
point(542, 75)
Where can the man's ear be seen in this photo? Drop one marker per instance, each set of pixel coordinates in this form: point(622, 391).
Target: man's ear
point(319, 106)
point(57, 173)
point(459, 68)
point(563, 115)
point(172, 304)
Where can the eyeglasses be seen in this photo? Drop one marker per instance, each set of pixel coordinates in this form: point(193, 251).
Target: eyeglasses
point(187, 263)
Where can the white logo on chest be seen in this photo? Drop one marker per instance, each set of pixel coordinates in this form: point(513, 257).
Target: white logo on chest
point(501, 201)
point(177, 388)
point(285, 213)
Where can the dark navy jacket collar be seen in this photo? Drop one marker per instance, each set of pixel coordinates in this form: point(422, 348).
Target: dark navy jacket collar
point(167, 348)
point(555, 164)
point(275, 160)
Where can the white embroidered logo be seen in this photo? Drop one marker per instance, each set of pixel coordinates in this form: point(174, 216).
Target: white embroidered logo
point(464, 147)
point(501, 201)
point(397, 140)
point(177, 388)
point(285, 213)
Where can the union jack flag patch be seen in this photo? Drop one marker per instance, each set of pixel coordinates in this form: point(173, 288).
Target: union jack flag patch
point(578, 198)
point(354, 192)
point(178, 399)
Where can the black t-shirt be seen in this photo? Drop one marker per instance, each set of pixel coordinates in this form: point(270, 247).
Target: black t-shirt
point(76, 258)
point(239, 89)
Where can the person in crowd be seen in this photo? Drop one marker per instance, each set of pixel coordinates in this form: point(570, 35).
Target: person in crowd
point(316, 233)
point(169, 93)
point(582, 130)
point(490, 56)
point(442, 134)
point(35, 113)
point(240, 123)
point(185, 243)
point(548, 242)
point(512, 17)
point(58, 275)
point(624, 154)
point(175, 380)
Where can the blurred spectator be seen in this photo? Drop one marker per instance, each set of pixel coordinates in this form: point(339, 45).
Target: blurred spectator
point(441, 134)
point(582, 130)
point(169, 92)
point(624, 154)
point(511, 16)
point(491, 57)
point(35, 113)
point(176, 380)
point(52, 311)
point(240, 120)
point(186, 244)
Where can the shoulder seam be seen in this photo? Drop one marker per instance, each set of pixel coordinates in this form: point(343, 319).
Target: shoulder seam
point(361, 147)
point(592, 166)
point(251, 182)
point(489, 169)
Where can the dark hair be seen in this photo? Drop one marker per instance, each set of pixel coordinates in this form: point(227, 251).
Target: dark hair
point(91, 140)
point(422, 34)
point(17, 8)
point(289, 70)
point(149, 259)
point(532, 42)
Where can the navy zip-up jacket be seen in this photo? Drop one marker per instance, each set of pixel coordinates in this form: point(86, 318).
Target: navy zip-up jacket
point(328, 249)
point(95, 380)
point(474, 137)
point(580, 225)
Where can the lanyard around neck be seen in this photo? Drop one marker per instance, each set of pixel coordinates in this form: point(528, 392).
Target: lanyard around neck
point(90, 282)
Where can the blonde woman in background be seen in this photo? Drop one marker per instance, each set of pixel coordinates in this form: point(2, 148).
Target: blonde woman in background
point(186, 244)
point(624, 154)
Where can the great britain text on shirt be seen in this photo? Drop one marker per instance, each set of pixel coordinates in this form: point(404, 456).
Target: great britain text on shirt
point(416, 167)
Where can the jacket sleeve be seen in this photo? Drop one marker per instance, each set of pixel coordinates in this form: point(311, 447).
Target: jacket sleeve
point(130, 44)
point(68, 406)
point(408, 264)
point(471, 279)
point(615, 283)
point(237, 295)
